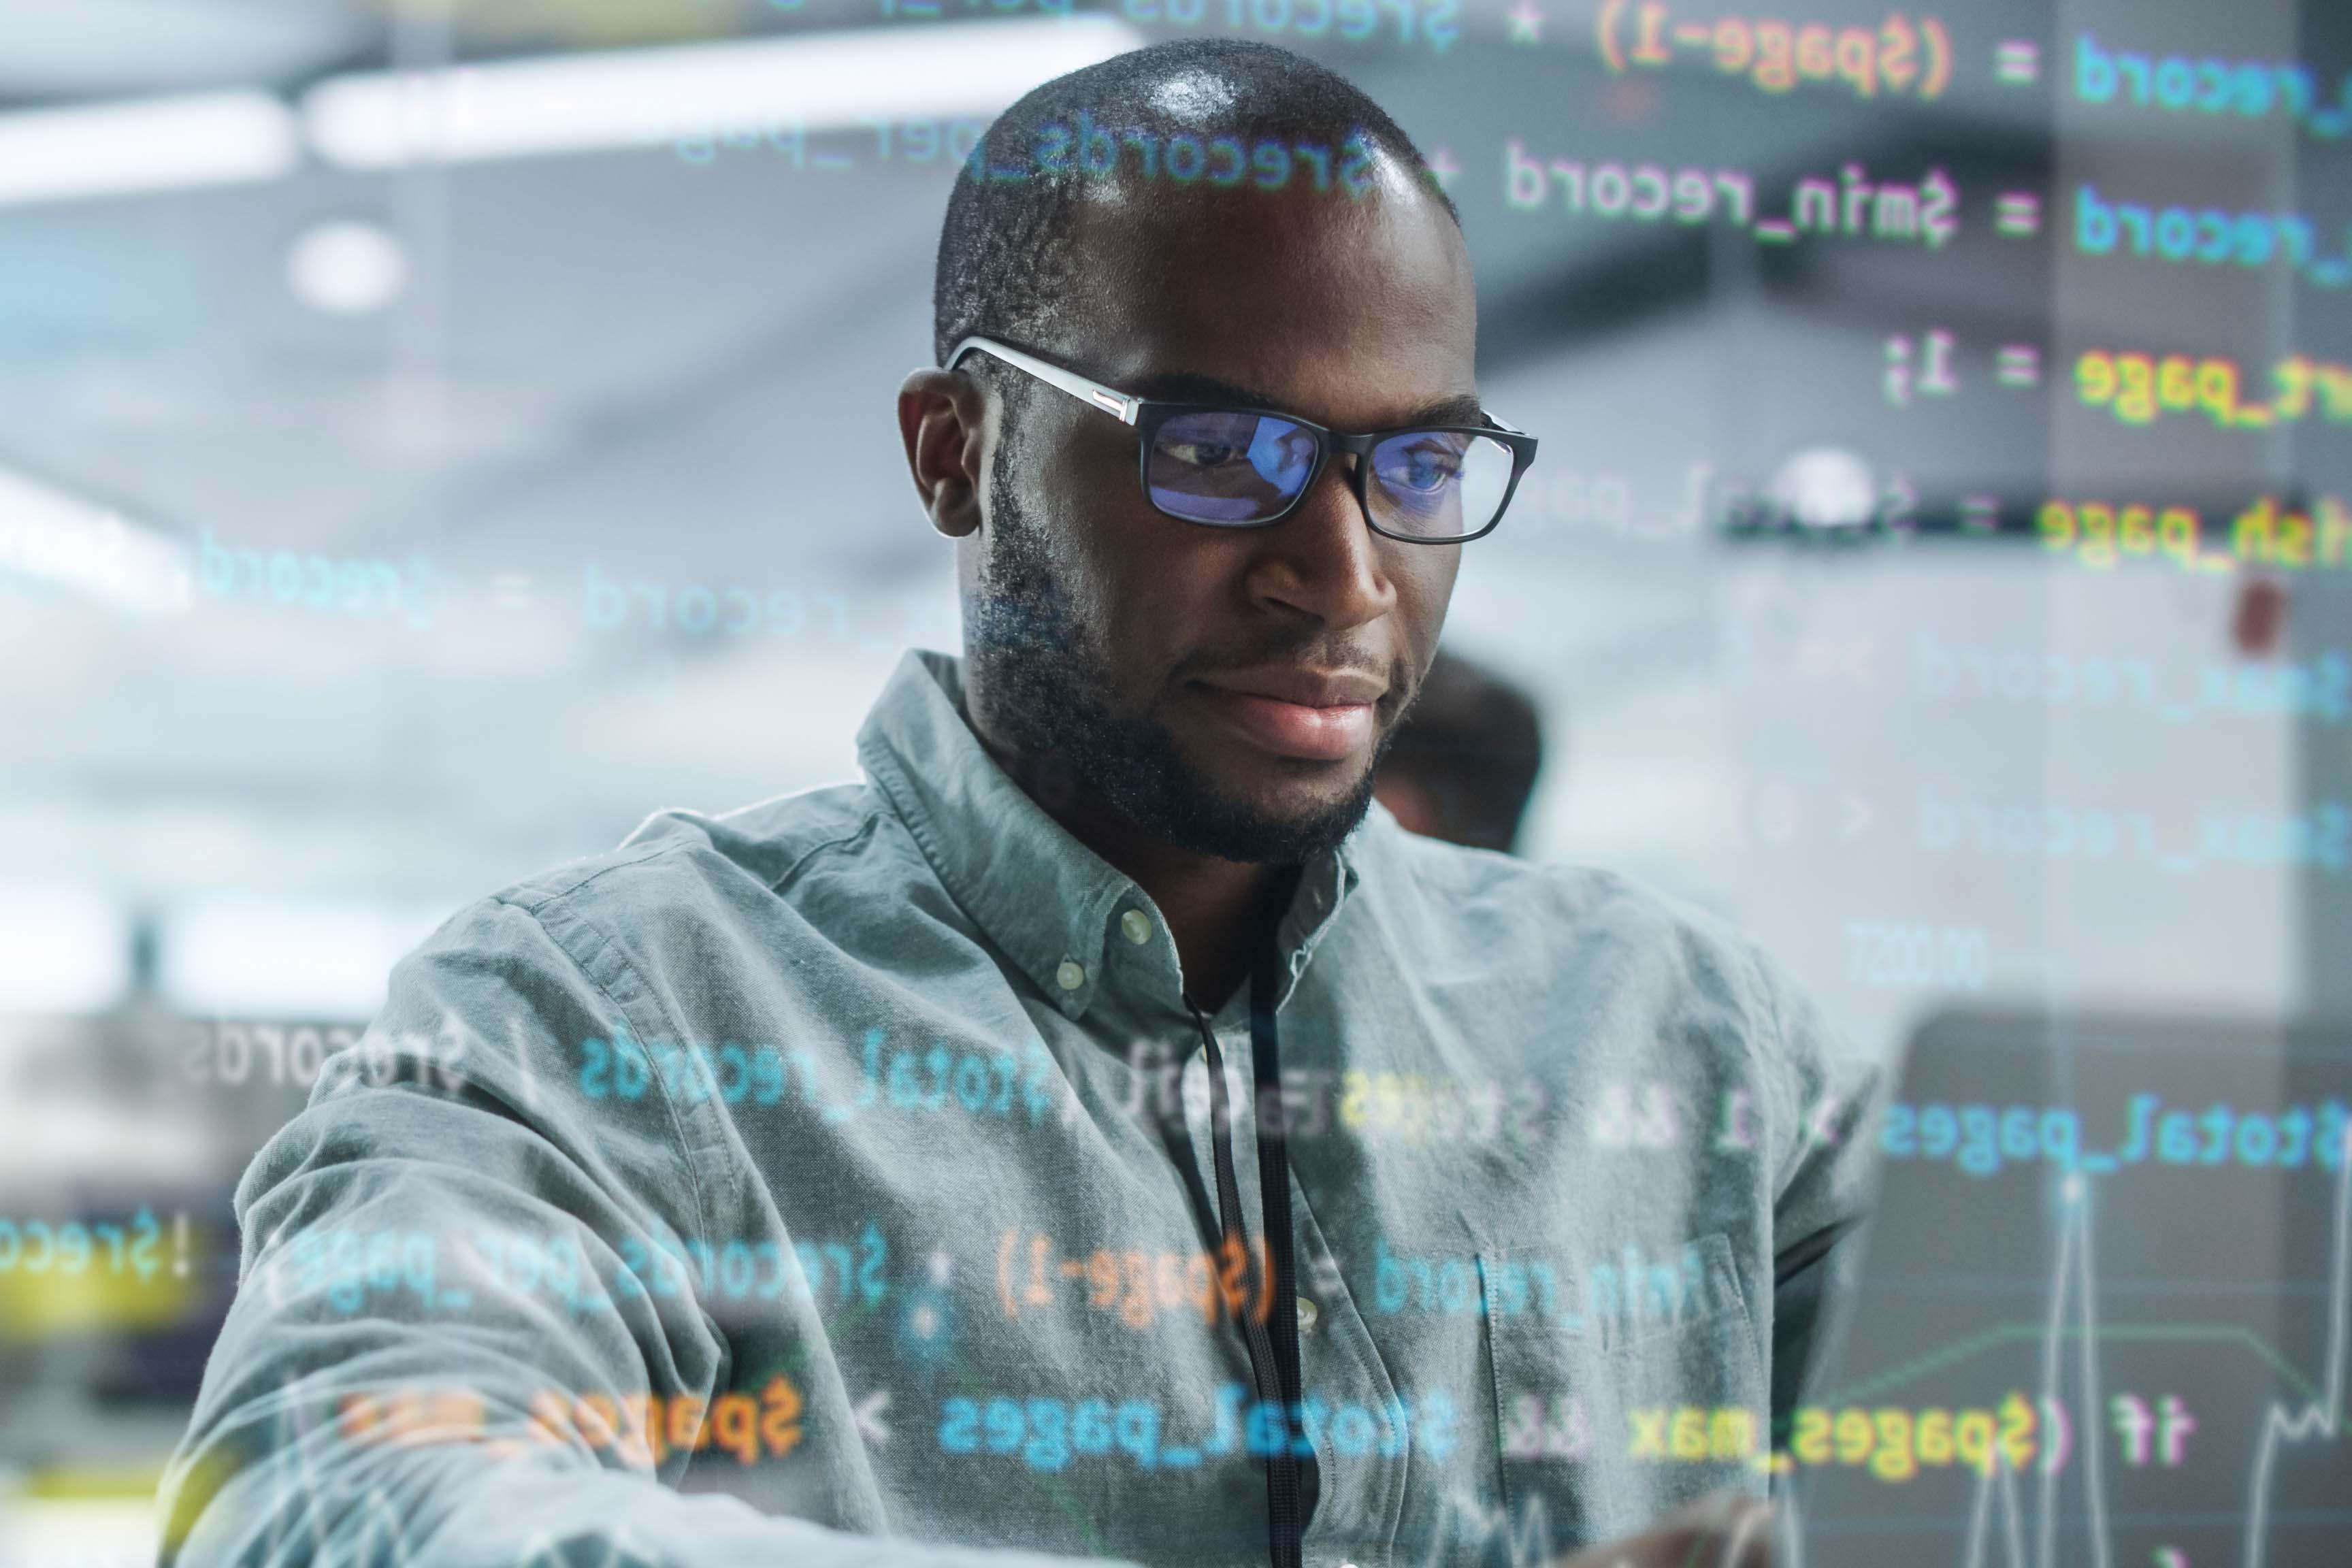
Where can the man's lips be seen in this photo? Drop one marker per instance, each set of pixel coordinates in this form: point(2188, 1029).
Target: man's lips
point(1312, 716)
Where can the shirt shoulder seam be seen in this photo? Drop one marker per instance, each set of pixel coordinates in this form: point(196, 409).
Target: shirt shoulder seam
point(864, 828)
point(542, 900)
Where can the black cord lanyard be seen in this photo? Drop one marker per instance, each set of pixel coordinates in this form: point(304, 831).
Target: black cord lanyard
point(1291, 1479)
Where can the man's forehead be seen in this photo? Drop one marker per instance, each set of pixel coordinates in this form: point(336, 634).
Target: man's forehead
point(1360, 309)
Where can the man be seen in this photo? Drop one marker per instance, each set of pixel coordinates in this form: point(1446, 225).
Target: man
point(887, 1160)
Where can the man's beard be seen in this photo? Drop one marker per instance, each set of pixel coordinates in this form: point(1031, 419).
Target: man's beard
point(1048, 689)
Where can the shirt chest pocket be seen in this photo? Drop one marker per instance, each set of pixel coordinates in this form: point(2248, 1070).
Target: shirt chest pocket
point(1639, 1389)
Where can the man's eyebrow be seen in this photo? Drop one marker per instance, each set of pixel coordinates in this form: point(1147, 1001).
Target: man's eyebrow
point(1184, 386)
point(1461, 408)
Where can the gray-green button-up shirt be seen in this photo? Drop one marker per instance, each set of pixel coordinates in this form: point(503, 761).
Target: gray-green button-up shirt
point(830, 1182)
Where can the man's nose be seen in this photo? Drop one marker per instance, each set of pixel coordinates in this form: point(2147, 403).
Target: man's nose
point(1324, 560)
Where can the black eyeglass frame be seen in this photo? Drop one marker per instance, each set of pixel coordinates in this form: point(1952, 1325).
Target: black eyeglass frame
point(1148, 415)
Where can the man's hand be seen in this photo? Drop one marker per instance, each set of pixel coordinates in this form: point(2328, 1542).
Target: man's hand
point(1725, 1531)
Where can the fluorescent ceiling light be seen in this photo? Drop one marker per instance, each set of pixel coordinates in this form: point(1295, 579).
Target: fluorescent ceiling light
point(145, 144)
point(638, 98)
point(99, 48)
point(247, 956)
point(62, 950)
point(53, 536)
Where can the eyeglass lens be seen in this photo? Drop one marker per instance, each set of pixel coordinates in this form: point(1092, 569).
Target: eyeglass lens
point(1236, 469)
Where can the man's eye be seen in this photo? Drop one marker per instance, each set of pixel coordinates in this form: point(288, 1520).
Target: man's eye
point(1423, 472)
point(1201, 454)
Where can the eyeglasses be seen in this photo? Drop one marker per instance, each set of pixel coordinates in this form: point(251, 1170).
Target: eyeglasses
point(1248, 468)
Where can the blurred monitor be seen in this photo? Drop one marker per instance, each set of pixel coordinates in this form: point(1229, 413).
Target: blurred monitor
point(2103, 1308)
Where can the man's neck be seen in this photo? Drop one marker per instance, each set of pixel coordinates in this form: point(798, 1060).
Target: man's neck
point(1215, 907)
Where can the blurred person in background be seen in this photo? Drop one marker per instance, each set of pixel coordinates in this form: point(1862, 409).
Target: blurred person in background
point(969, 1163)
point(1464, 763)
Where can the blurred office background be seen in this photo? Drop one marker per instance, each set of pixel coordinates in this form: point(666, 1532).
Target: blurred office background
point(435, 433)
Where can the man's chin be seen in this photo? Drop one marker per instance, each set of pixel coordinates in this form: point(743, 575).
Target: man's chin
point(1313, 791)
point(1281, 810)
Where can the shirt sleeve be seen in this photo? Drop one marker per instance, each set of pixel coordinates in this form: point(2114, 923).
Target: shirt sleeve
point(1828, 1103)
point(436, 1353)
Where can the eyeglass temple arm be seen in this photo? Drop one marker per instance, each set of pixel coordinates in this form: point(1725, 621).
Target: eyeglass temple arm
point(1117, 404)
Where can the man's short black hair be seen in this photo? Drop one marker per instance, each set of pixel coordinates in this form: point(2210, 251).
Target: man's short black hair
point(1006, 256)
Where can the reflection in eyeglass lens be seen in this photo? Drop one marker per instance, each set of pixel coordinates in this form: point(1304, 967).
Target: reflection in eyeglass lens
point(1439, 483)
point(1229, 468)
point(1239, 467)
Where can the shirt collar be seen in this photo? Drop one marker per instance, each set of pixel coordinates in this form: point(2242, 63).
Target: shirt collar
point(1054, 905)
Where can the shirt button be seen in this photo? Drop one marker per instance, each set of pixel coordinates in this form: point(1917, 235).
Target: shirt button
point(1136, 926)
point(1070, 975)
point(1307, 1313)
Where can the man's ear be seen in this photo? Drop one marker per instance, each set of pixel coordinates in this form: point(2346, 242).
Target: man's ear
point(943, 417)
